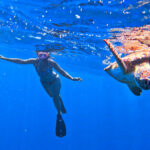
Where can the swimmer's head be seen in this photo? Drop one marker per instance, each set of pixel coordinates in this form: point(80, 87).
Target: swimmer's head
point(42, 51)
point(143, 79)
point(42, 55)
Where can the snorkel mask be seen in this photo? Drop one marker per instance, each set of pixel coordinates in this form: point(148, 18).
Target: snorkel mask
point(143, 79)
point(43, 55)
point(42, 52)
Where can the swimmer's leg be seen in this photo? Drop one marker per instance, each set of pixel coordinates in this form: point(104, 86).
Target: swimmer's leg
point(59, 104)
point(53, 90)
point(62, 106)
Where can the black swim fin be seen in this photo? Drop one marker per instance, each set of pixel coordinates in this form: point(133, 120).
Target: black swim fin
point(60, 126)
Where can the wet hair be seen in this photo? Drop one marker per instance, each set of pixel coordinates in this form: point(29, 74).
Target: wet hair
point(41, 48)
point(52, 47)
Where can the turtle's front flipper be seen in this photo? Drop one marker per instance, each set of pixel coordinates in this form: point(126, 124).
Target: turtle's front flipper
point(60, 126)
point(120, 62)
point(135, 90)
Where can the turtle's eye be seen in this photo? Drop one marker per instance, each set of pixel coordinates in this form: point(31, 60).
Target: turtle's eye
point(146, 84)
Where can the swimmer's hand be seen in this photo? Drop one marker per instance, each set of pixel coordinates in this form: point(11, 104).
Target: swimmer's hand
point(76, 79)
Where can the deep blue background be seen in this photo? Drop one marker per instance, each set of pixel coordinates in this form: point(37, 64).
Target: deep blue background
point(102, 114)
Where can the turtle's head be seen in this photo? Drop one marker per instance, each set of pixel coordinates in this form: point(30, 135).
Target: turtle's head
point(143, 79)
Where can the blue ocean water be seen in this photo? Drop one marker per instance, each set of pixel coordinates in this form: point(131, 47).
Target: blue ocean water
point(102, 114)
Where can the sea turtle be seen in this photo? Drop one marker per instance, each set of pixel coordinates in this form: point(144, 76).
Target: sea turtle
point(133, 69)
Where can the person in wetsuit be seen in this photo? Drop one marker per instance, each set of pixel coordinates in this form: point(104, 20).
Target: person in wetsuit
point(50, 81)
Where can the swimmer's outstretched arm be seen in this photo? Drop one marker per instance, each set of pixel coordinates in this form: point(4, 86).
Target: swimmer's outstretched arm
point(64, 73)
point(19, 61)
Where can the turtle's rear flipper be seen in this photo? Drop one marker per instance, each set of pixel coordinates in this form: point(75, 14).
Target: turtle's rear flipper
point(60, 126)
point(135, 90)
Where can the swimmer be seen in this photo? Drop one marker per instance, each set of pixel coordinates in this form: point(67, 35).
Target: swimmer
point(50, 81)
